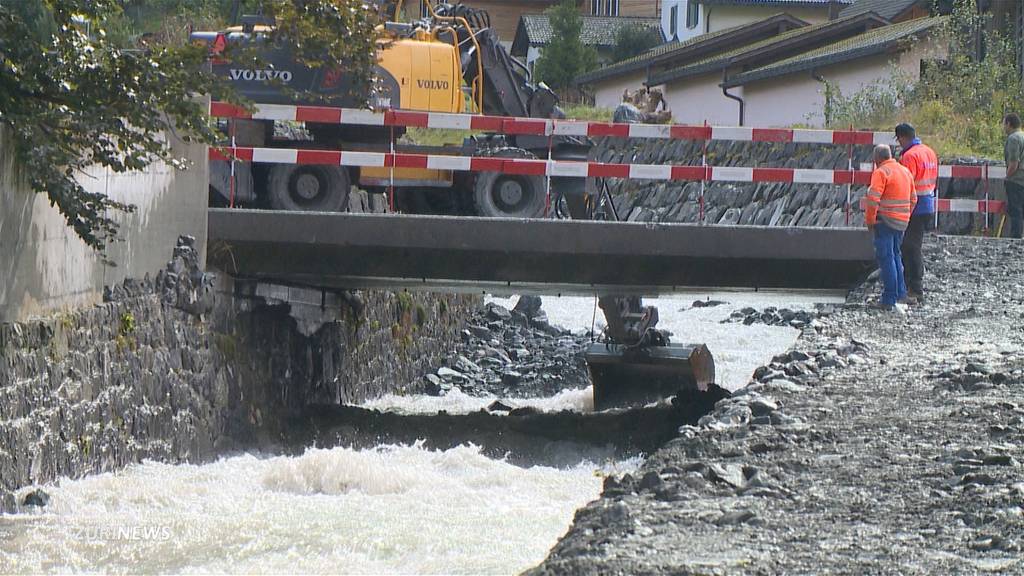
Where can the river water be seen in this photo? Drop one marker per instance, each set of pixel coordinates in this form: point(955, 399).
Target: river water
point(393, 509)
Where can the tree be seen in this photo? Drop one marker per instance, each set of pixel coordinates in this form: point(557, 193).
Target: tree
point(634, 40)
point(565, 57)
point(71, 97)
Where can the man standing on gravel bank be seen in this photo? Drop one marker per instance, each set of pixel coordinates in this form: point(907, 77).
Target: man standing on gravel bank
point(888, 206)
point(1013, 153)
point(924, 165)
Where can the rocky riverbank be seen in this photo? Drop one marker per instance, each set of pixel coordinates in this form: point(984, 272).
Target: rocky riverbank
point(884, 443)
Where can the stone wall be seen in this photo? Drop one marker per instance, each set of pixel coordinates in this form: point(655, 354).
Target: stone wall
point(136, 377)
point(45, 267)
point(765, 203)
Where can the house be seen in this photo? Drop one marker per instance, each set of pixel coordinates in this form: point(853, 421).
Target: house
point(892, 10)
point(793, 90)
point(700, 81)
point(608, 83)
point(535, 32)
point(686, 19)
point(505, 14)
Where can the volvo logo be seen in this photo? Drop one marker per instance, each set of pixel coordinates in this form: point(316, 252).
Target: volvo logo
point(260, 75)
point(432, 84)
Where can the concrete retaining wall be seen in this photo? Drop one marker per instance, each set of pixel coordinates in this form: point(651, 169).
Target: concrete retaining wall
point(45, 267)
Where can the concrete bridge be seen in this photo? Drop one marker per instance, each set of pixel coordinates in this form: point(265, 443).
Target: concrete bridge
point(344, 250)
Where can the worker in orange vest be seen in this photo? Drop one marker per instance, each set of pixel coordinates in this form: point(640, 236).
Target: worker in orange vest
point(890, 201)
point(924, 165)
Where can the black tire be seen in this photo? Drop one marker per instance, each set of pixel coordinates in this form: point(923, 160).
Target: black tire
point(308, 188)
point(498, 195)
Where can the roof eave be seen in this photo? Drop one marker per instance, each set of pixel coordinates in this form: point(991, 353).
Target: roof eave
point(819, 62)
point(687, 72)
point(613, 71)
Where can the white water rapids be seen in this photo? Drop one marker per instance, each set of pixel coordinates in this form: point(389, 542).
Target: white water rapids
point(392, 509)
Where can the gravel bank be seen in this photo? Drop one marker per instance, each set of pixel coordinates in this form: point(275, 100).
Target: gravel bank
point(882, 444)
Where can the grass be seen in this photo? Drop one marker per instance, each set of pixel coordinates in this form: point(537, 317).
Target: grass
point(435, 136)
point(588, 113)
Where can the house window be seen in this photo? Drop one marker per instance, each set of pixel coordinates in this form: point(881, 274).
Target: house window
point(604, 7)
point(692, 14)
point(673, 21)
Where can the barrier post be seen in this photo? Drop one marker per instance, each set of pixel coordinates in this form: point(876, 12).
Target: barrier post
point(984, 181)
point(849, 185)
point(704, 164)
point(391, 173)
point(234, 155)
point(547, 176)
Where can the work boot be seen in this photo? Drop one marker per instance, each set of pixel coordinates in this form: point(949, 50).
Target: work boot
point(910, 300)
point(917, 296)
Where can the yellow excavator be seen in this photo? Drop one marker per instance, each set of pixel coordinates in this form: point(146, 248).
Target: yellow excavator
point(445, 58)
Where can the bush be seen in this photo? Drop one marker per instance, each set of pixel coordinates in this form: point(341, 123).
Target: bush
point(565, 57)
point(634, 40)
point(957, 104)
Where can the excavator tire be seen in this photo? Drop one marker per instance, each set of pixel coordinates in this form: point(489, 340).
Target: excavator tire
point(309, 188)
point(498, 195)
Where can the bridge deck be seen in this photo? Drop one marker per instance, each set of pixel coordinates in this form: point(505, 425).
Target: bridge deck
point(362, 250)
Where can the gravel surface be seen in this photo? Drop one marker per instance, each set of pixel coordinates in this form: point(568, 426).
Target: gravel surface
point(883, 443)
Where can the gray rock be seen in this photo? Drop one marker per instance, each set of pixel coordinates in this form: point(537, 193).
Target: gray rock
point(449, 374)
point(498, 312)
point(498, 406)
point(529, 306)
point(651, 481)
point(730, 474)
point(433, 385)
point(735, 517)
point(37, 498)
point(762, 406)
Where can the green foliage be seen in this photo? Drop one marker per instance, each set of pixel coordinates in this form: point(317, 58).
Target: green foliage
point(565, 57)
point(588, 113)
point(634, 40)
point(435, 136)
point(874, 105)
point(72, 96)
point(958, 103)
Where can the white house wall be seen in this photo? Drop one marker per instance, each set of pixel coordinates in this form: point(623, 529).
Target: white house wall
point(722, 17)
point(609, 93)
point(800, 99)
point(700, 98)
point(715, 18)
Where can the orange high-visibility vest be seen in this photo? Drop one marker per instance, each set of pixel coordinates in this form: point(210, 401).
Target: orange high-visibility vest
point(924, 165)
point(891, 197)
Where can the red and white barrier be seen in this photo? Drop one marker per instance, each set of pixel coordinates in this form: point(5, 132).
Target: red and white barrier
point(574, 169)
point(543, 127)
point(970, 205)
point(964, 172)
point(532, 167)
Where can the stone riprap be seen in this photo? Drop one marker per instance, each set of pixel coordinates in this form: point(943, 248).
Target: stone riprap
point(138, 378)
point(765, 203)
point(513, 353)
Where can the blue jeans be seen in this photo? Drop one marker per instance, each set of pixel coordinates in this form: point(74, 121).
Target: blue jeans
point(890, 263)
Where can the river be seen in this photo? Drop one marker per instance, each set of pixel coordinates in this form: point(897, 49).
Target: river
point(392, 509)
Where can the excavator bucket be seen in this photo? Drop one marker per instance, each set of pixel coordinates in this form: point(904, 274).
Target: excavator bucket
point(631, 376)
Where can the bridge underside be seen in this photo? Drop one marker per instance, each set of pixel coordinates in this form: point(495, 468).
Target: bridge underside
point(330, 250)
